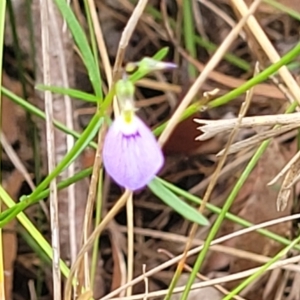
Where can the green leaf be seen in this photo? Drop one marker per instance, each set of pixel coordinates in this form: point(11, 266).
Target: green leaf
point(188, 212)
point(69, 92)
point(161, 54)
point(83, 45)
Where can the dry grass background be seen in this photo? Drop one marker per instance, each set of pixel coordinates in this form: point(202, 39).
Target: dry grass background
point(159, 233)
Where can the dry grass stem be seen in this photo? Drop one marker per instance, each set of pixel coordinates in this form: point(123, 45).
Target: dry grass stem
point(126, 35)
point(212, 128)
point(130, 242)
point(160, 86)
point(201, 277)
point(219, 12)
point(11, 153)
point(295, 289)
point(176, 238)
point(89, 243)
point(69, 139)
point(286, 187)
point(198, 19)
point(204, 75)
point(100, 42)
point(267, 46)
point(285, 169)
point(272, 281)
point(216, 281)
point(146, 284)
point(197, 249)
point(44, 15)
point(258, 138)
point(91, 200)
point(215, 175)
point(98, 157)
point(118, 241)
point(228, 169)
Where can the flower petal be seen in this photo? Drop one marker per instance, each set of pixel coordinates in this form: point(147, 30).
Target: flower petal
point(131, 157)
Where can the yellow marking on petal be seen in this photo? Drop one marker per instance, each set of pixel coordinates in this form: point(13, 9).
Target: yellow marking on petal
point(128, 116)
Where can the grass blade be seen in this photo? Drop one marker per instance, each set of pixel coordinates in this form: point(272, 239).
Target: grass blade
point(169, 198)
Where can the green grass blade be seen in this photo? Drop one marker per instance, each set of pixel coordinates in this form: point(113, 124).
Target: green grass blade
point(91, 31)
point(262, 269)
point(39, 113)
point(218, 222)
point(284, 8)
point(216, 210)
point(83, 45)
point(85, 138)
point(169, 198)
point(69, 92)
point(215, 228)
point(286, 59)
point(17, 49)
point(189, 35)
point(13, 211)
point(37, 236)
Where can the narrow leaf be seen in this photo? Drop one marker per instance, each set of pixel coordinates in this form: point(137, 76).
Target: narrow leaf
point(69, 92)
point(188, 212)
point(83, 45)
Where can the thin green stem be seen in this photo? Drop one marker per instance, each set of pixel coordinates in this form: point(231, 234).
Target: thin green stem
point(240, 90)
point(284, 8)
point(33, 231)
point(262, 270)
point(91, 32)
point(18, 53)
point(215, 228)
point(189, 35)
point(257, 79)
point(31, 33)
point(216, 210)
point(13, 211)
point(88, 134)
point(235, 60)
point(218, 223)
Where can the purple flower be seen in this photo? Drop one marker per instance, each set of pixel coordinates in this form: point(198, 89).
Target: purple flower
point(131, 154)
